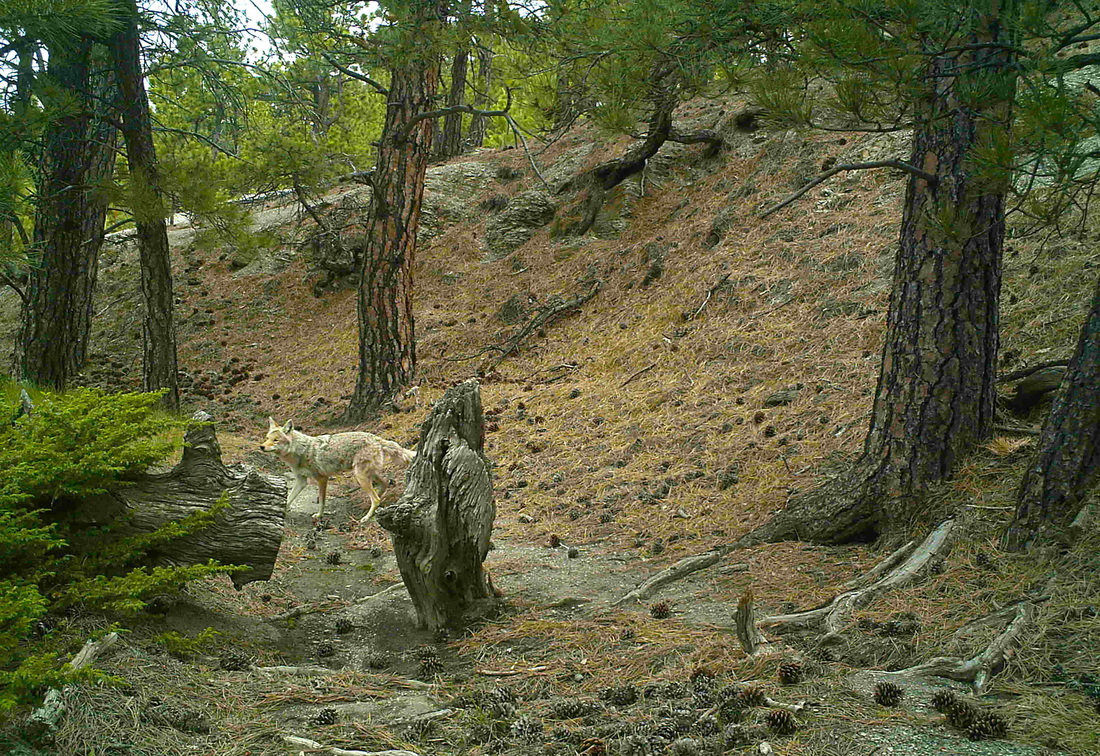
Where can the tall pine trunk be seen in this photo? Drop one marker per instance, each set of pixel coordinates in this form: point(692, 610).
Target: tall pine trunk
point(387, 349)
point(1065, 466)
point(451, 143)
point(75, 163)
point(159, 368)
point(482, 99)
point(935, 395)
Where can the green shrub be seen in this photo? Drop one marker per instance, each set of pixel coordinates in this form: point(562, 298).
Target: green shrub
point(70, 447)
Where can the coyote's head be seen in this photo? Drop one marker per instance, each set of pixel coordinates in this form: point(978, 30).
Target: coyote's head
point(278, 439)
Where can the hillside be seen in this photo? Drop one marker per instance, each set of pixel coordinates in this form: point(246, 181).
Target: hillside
point(725, 363)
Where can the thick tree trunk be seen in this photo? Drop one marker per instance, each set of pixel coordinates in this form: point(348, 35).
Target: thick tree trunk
point(442, 523)
point(159, 371)
point(248, 533)
point(387, 349)
point(77, 159)
point(482, 99)
point(935, 396)
point(451, 141)
point(1065, 466)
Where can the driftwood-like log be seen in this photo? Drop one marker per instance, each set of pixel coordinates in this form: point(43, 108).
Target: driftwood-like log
point(834, 616)
point(442, 523)
point(681, 569)
point(248, 533)
point(43, 721)
point(978, 670)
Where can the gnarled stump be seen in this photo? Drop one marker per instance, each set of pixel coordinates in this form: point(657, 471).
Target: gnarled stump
point(442, 523)
point(248, 533)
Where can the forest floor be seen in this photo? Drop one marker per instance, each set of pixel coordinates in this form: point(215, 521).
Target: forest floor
point(726, 363)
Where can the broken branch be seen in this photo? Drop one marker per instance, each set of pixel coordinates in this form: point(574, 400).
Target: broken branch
point(898, 164)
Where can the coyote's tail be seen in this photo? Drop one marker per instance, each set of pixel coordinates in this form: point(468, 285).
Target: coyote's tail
point(408, 454)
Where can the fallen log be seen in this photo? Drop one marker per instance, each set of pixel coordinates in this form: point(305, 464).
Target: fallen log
point(248, 533)
point(442, 522)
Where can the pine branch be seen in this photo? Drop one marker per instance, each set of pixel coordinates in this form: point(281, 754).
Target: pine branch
point(356, 75)
point(897, 164)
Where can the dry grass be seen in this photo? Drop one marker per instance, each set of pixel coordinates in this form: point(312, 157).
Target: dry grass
point(804, 305)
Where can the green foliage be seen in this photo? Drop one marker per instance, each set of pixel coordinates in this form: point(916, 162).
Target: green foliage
point(70, 447)
point(182, 647)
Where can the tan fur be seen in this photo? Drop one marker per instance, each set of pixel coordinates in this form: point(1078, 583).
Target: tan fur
point(321, 457)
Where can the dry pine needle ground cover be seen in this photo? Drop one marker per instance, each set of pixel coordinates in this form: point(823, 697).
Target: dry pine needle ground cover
point(648, 426)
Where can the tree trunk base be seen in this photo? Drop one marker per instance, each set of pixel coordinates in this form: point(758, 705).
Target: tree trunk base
point(248, 533)
point(442, 523)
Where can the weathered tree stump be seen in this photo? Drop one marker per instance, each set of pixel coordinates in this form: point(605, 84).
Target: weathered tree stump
point(248, 533)
point(442, 523)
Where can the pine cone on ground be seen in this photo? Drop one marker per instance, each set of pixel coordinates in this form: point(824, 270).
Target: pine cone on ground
point(888, 694)
point(526, 728)
point(750, 696)
point(942, 700)
point(987, 725)
point(325, 716)
point(962, 714)
point(623, 695)
point(333, 557)
point(325, 649)
point(790, 673)
point(571, 708)
point(430, 663)
point(235, 661)
point(661, 610)
point(344, 625)
point(781, 722)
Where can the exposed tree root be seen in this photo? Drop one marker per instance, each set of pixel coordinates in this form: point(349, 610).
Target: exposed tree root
point(977, 670)
point(753, 643)
point(314, 747)
point(834, 616)
point(681, 569)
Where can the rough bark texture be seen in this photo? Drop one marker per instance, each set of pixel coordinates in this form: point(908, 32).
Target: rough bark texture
point(451, 135)
point(1066, 463)
point(476, 135)
point(442, 523)
point(159, 369)
point(248, 533)
point(387, 352)
point(77, 159)
point(935, 396)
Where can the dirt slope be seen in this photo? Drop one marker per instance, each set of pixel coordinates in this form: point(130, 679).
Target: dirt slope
point(725, 363)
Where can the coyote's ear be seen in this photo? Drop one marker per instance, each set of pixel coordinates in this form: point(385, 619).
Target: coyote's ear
point(288, 427)
point(271, 424)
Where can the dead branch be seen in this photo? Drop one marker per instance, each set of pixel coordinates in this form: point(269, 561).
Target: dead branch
point(710, 293)
point(1016, 429)
point(898, 164)
point(45, 718)
point(545, 315)
point(1025, 372)
point(681, 569)
point(977, 670)
point(307, 670)
point(313, 745)
point(639, 374)
point(834, 616)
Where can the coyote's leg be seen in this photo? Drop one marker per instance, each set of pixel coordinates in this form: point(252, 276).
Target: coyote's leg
point(322, 486)
point(300, 482)
point(366, 481)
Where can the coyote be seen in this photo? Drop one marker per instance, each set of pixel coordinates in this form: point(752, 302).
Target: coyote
point(321, 457)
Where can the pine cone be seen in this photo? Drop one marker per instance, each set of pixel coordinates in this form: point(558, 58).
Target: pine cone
point(571, 708)
point(684, 747)
point(325, 716)
point(736, 735)
point(987, 725)
point(623, 695)
point(234, 661)
point(526, 728)
point(375, 660)
point(750, 696)
point(344, 625)
point(781, 722)
point(661, 610)
point(790, 673)
point(707, 725)
point(325, 649)
point(333, 557)
point(962, 714)
point(942, 700)
point(888, 694)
